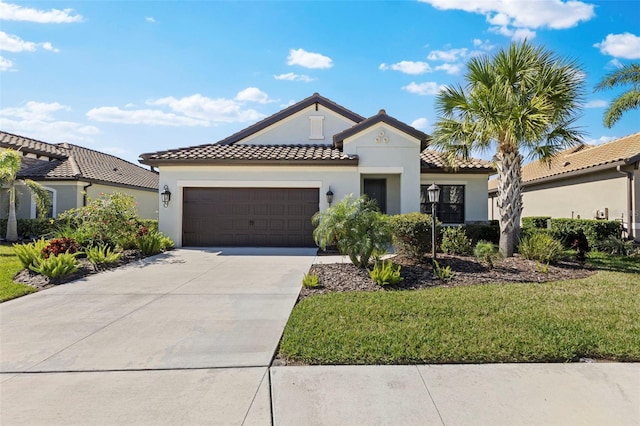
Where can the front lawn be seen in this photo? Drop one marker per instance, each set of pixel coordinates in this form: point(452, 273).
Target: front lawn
point(9, 266)
point(594, 317)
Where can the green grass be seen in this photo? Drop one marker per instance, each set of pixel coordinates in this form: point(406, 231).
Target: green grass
point(596, 317)
point(9, 266)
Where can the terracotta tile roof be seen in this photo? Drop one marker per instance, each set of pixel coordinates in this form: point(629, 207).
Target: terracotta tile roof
point(581, 159)
point(9, 140)
point(280, 115)
point(218, 153)
point(75, 162)
point(430, 159)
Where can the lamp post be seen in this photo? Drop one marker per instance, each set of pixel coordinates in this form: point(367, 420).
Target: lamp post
point(434, 196)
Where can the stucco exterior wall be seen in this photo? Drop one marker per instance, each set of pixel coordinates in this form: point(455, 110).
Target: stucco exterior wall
point(147, 202)
point(580, 196)
point(296, 129)
point(383, 150)
point(65, 198)
point(342, 181)
point(475, 186)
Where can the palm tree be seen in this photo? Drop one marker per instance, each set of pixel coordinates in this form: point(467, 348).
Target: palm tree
point(523, 99)
point(628, 74)
point(9, 166)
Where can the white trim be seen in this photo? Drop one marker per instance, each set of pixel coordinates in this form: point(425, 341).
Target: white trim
point(248, 184)
point(54, 196)
point(381, 170)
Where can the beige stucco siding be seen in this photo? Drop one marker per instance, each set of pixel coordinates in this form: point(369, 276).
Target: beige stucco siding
point(475, 186)
point(342, 181)
point(296, 129)
point(146, 201)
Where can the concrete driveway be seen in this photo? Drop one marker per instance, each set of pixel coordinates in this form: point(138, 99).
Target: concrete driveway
point(157, 342)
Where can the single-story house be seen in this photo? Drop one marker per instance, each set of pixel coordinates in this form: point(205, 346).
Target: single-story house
point(71, 174)
point(261, 185)
point(588, 182)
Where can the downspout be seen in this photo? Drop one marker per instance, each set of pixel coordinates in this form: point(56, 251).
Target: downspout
point(84, 193)
point(630, 215)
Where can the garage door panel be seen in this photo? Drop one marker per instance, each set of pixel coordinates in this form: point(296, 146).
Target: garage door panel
point(277, 217)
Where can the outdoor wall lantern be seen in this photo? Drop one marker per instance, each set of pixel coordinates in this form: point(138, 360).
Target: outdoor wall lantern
point(329, 196)
point(434, 196)
point(165, 196)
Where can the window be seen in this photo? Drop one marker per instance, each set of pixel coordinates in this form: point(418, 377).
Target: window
point(51, 193)
point(450, 207)
point(316, 131)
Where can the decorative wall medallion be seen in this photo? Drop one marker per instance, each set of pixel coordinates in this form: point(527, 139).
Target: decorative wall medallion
point(382, 138)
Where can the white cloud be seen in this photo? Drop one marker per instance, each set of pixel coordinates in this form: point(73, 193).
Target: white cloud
point(12, 43)
point(596, 103)
point(142, 116)
point(36, 120)
point(614, 64)
point(420, 123)
point(482, 45)
point(423, 89)
point(516, 34)
point(407, 67)
point(451, 55)
point(625, 45)
point(150, 19)
point(5, 64)
point(308, 59)
point(210, 110)
point(293, 77)
point(600, 140)
point(554, 14)
point(450, 68)
point(13, 12)
point(253, 94)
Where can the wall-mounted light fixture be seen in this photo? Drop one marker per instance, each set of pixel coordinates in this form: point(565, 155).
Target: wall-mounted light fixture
point(165, 196)
point(329, 196)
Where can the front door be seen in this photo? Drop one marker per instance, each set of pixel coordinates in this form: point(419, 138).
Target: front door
point(376, 189)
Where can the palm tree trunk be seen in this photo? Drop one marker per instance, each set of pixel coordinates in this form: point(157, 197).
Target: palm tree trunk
point(12, 223)
point(509, 199)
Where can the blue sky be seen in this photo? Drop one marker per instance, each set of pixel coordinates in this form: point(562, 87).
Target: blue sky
point(128, 77)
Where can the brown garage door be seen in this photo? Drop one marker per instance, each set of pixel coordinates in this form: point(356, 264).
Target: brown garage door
point(252, 217)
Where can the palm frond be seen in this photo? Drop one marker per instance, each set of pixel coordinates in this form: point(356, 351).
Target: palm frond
point(623, 103)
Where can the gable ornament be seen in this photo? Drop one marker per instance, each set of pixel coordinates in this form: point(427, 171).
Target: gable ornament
point(382, 137)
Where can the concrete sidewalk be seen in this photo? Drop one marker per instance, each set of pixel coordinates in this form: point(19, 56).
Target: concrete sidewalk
point(490, 394)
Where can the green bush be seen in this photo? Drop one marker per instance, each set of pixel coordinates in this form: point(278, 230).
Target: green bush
point(151, 224)
point(28, 254)
point(540, 247)
point(56, 266)
point(567, 230)
point(150, 244)
point(412, 234)
point(487, 253)
point(483, 232)
point(102, 255)
point(535, 222)
point(31, 228)
point(166, 242)
point(455, 241)
point(310, 280)
point(384, 273)
point(615, 245)
point(355, 226)
point(443, 272)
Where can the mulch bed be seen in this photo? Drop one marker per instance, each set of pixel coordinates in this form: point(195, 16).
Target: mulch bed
point(340, 277)
point(40, 282)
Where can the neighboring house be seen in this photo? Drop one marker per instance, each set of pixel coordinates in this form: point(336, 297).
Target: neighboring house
point(260, 186)
point(587, 182)
point(72, 173)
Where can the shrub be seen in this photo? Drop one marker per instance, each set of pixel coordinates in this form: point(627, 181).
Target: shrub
point(594, 230)
point(455, 241)
point(483, 232)
point(355, 226)
point(31, 228)
point(487, 253)
point(310, 280)
point(384, 273)
point(535, 222)
point(540, 247)
point(102, 255)
point(581, 245)
point(58, 246)
point(150, 243)
point(615, 245)
point(56, 266)
point(166, 242)
point(443, 272)
point(412, 234)
point(28, 254)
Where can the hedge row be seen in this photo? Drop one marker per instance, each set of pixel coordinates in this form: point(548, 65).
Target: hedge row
point(566, 229)
point(36, 228)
